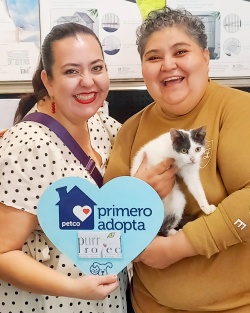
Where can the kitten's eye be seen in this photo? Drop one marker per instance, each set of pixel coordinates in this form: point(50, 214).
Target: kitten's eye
point(198, 149)
point(184, 151)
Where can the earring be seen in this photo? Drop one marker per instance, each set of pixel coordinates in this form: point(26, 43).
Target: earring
point(53, 107)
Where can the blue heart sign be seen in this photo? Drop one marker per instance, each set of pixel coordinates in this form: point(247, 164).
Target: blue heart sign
point(100, 230)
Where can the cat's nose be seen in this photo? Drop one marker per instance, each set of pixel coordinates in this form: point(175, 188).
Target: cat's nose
point(192, 160)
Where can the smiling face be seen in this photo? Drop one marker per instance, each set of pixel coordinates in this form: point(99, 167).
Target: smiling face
point(80, 81)
point(175, 70)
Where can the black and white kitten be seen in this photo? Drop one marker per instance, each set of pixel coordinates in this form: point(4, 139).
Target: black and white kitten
point(187, 148)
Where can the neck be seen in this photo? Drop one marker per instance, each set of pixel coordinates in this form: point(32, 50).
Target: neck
point(79, 131)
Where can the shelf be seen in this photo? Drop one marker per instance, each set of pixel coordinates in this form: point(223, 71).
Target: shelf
point(21, 87)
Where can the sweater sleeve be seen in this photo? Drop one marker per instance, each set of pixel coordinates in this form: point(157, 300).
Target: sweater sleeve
point(230, 223)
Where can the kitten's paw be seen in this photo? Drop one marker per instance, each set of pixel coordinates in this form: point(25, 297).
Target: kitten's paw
point(172, 231)
point(208, 209)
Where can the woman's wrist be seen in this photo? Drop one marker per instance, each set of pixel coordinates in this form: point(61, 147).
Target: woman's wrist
point(182, 246)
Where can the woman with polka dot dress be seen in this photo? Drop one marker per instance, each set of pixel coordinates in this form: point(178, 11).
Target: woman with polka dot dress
point(70, 85)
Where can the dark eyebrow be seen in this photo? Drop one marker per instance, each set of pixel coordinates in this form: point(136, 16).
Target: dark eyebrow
point(77, 65)
point(151, 51)
point(181, 44)
point(178, 44)
point(96, 61)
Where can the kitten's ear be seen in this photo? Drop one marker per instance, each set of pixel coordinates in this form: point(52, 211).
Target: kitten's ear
point(200, 133)
point(175, 134)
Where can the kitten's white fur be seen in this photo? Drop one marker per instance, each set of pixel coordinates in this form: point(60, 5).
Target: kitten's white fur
point(188, 165)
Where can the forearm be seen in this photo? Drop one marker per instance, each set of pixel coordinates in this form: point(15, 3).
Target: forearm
point(27, 274)
point(181, 246)
point(165, 251)
point(176, 248)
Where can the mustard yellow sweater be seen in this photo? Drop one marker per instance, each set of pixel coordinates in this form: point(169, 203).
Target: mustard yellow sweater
point(218, 279)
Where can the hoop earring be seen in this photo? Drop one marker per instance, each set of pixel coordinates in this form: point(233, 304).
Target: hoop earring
point(53, 107)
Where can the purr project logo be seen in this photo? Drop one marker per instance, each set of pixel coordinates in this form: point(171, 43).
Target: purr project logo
point(101, 230)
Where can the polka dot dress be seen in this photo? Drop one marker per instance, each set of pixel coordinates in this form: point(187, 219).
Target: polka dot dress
point(31, 158)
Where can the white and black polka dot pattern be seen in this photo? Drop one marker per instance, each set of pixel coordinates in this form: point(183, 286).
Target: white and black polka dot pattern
point(31, 158)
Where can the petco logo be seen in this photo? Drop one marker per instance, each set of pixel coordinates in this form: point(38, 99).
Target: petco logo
point(76, 209)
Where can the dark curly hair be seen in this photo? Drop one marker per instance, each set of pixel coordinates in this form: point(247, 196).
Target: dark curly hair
point(167, 17)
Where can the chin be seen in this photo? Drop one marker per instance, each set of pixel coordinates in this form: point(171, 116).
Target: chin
point(175, 109)
point(183, 105)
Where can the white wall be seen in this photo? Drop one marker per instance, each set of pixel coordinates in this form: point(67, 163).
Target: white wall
point(7, 112)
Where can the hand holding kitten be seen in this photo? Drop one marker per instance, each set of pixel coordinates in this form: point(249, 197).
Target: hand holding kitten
point(161, 176)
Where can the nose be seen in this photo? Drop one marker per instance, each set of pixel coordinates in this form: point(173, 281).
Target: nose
point(192, 159)
point(168, 63)
point(86, 79)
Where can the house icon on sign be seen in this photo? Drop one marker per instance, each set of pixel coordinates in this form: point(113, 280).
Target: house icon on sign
point(76, 209)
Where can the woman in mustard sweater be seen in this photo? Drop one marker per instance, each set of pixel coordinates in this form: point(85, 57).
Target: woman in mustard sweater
point(204, 267)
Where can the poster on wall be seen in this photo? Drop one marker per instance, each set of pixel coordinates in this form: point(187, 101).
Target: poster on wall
point(227, 25)
point(114, 22)
point(19, 39)
point(25, 23)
